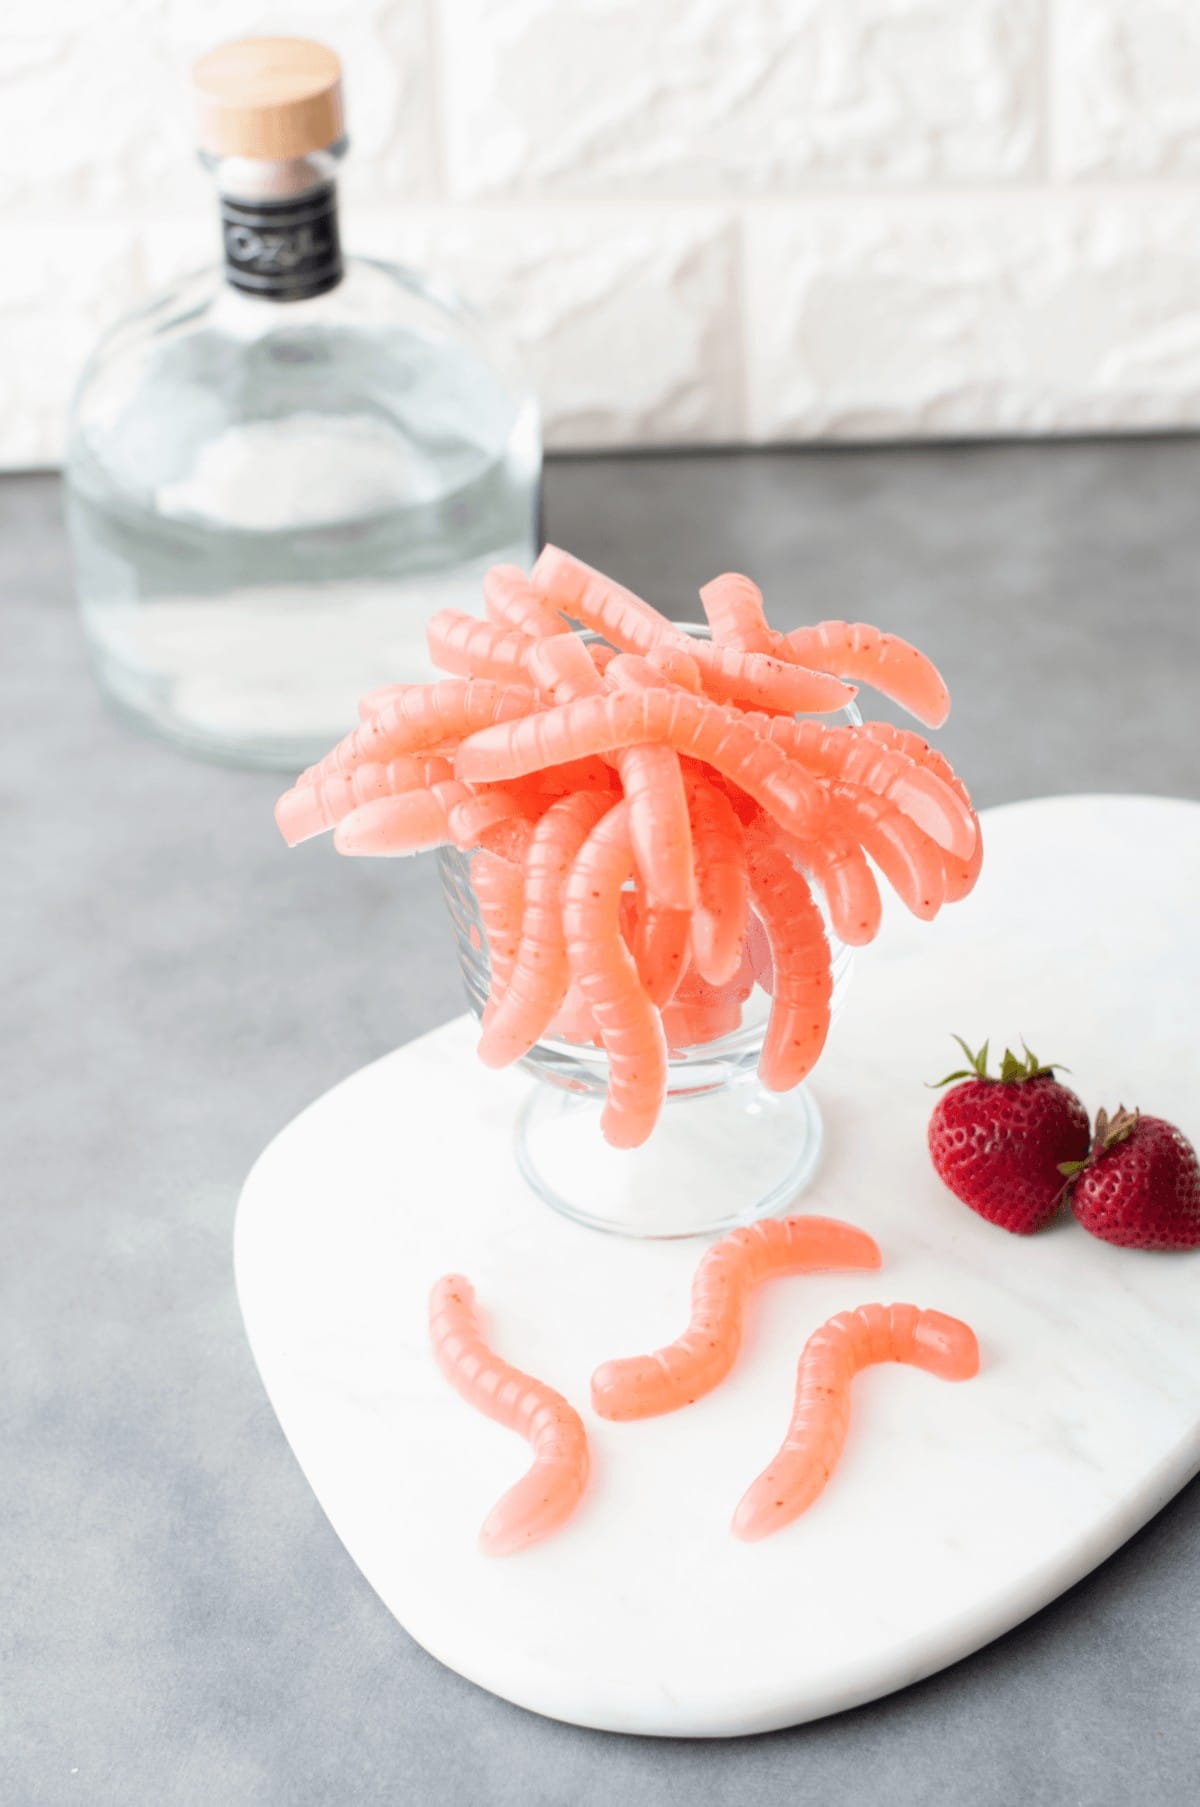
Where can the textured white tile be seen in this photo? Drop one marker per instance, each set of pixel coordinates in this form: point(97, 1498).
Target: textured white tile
point(611, 152)
point(97, 109)
point(626, 320)
point(1127, 87)
point(58, 289)
point(1010, 314)
point(692, 96)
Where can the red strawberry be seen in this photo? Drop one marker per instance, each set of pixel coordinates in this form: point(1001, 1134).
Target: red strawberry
point(1140, 1185)
point(999, 1143)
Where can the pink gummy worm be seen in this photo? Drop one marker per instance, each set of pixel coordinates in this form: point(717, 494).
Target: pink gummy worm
point(760, 681)
point(391, 827)
point(310, 809)
point(421, 718)
point(539, 978)
point(703, 730)
point(961, 874)
point(637, 671)
point(758, 950)
point(574, 1022)
point(511, 601)
point(659, 826)
point(683, 1371)
point(575, 775)
point(727, 675)
point(838, 866)
point(661, 941)
point(802, 981)
point(590, 597)
point(912, 863)
point(499, 887)
point(417, 820)
point(858, 758)
point(833, 1355)
point(548, 1494)
point(484, 809)
point(689, 1023)
point(472, 648)
point(370, 704)
point(675, 663)
point(889, 664)
point(694, 1018)
point(562, 669)
point(766, 685)
point(602, 967)
point(650, 776)
point(694, 988)
point(734, 607)
point(509, 838)
point(722, 896)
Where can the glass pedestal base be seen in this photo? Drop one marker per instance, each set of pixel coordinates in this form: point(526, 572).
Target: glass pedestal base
point(717, 1159)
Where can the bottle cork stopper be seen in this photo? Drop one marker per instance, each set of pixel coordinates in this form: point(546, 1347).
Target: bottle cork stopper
point(270, 98)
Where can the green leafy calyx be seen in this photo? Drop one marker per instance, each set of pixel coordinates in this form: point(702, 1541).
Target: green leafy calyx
point(1108, 1132)
point(1012, 1070)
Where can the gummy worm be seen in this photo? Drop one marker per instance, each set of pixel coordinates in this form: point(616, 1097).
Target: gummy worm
point(933, 804)
point(734, 607)
point(421, 718)
point(832, 1356)
point(889, 664)
point(511, 601)
point(472, 648)
point(658, 816)
point(646, 1385)
point(539, 978)
point(722, 895)
point(310, 809)
point(499, 888)
point(760, 681)
point(548, 1494)
point(661, 941)
point(802, 982)
point(673, 662)
point(693, 726)
point(727, 675)
point(961, 874)
point(912, 863)
point(839, 867)
point(629, 1026)
point(417, 820)
point(567, 584)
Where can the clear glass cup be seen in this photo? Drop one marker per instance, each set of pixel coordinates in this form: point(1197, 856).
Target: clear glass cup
point(725, 1150)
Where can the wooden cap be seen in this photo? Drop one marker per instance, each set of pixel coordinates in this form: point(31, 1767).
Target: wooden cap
point(268, 97)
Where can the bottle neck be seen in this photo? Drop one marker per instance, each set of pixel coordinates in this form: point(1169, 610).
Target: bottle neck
point(279, 225)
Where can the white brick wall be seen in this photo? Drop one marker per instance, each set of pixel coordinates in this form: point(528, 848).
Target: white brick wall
point(701, 221)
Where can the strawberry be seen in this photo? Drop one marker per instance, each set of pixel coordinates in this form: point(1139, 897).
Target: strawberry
point(999, 1143)
point(1140, 1185)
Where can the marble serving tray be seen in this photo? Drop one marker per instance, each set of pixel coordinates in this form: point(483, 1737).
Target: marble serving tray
point(956, 1511)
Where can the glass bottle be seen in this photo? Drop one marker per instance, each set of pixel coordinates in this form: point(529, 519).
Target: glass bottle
point(278, 470)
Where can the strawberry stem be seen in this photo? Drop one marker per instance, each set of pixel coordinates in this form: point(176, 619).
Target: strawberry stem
point(1012, 1070)
point(1108, 1132)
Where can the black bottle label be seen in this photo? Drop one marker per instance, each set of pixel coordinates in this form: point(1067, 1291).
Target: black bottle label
point(283, 250)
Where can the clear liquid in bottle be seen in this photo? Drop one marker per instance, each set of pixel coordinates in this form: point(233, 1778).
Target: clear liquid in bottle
point(275, 474)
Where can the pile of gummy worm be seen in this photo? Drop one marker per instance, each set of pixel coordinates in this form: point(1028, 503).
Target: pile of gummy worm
point(648, 814)
point(696, 1362)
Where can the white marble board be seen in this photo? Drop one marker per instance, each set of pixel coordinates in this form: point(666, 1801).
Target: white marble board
point(957, 1509)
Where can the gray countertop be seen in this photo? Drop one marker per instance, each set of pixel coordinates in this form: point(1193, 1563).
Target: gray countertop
point(179, 1623)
